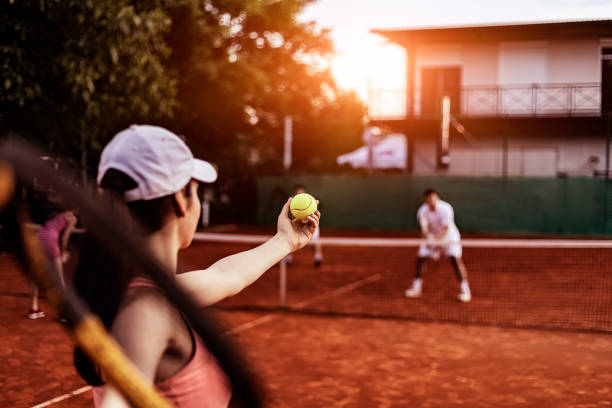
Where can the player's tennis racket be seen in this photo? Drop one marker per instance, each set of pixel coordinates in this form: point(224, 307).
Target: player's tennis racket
point(89, 332)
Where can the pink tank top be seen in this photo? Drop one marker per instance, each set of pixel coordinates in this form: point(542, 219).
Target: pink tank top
point(201, 383)
point(50, 232)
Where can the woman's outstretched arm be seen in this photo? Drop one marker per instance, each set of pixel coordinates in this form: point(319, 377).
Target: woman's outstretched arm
point(232, 274)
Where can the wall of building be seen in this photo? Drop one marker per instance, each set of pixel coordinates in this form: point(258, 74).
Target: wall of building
point(434, 56)
point(524, 156)
point(424, 156)
point(574, 61)
point(480, 64)
point(523, 62)
point(518, 63)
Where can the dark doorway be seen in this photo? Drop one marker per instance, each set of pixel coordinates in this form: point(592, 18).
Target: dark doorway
point(437, 82)
point(606, 81)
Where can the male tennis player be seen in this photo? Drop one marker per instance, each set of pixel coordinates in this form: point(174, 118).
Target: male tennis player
point(436, 220)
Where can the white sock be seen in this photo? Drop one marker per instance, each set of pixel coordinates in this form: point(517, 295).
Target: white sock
point(465, 287)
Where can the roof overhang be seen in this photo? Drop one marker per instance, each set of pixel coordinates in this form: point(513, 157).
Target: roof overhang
point(408, 37)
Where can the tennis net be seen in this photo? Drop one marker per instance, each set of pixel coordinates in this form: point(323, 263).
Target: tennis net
point(551, 284)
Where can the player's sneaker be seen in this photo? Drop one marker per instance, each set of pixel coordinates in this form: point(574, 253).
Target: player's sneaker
point(413, 292)
point(35, 314)
point(317, 263)
point(464, 297)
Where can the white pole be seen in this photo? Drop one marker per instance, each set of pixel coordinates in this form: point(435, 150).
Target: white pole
point(205, 213)
point(370, 98)
point(288, 141)
point(445, 124)
point(445, 139)
point(283, 283)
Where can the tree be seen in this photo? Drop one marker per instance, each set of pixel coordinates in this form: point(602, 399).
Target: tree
point(75, 71)
point(222, 72)
point(243, 65)
point(323, 134)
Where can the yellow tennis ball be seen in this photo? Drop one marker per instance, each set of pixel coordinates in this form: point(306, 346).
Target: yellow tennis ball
point(302, 205)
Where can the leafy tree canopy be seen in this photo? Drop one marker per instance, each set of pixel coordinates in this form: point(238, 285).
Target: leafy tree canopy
point(222, 72)
point(73, 70)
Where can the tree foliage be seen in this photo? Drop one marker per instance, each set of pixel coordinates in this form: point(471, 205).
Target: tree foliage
point(246, 64)
point(222, 72)
point(74, 71)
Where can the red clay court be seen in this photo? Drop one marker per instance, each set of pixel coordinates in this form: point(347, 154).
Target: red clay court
point(350, 339)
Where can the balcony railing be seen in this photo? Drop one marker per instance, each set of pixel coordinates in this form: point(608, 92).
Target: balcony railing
point(582, 99)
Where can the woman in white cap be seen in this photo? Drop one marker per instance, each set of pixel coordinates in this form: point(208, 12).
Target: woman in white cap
point(155, 173)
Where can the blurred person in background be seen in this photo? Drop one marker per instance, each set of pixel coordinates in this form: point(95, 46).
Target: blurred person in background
point(54, 236)
point(436, 221)
point(316, 244)
point(206, 196)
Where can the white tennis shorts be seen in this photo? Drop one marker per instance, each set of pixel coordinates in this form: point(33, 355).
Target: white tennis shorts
point(434, 251)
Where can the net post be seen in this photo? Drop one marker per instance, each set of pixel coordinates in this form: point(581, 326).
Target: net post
point(283, 283)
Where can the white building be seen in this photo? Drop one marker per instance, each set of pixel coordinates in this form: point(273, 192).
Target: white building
point(533, 97)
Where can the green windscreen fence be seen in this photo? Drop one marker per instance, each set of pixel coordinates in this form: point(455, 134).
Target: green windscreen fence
point(567, 206)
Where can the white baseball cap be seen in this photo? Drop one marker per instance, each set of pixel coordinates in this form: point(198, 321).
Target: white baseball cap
point(156, 159)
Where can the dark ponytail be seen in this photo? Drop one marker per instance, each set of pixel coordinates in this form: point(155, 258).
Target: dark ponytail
point(102, 276)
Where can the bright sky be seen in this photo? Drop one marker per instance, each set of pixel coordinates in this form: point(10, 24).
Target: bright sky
point(363, 61)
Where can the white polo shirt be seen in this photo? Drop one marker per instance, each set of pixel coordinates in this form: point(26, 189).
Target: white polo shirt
point(438, 219)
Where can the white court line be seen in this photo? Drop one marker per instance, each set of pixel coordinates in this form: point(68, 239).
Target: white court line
point(249, 325)
point(338, 291)
point(63, 397)
point(245, 326)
